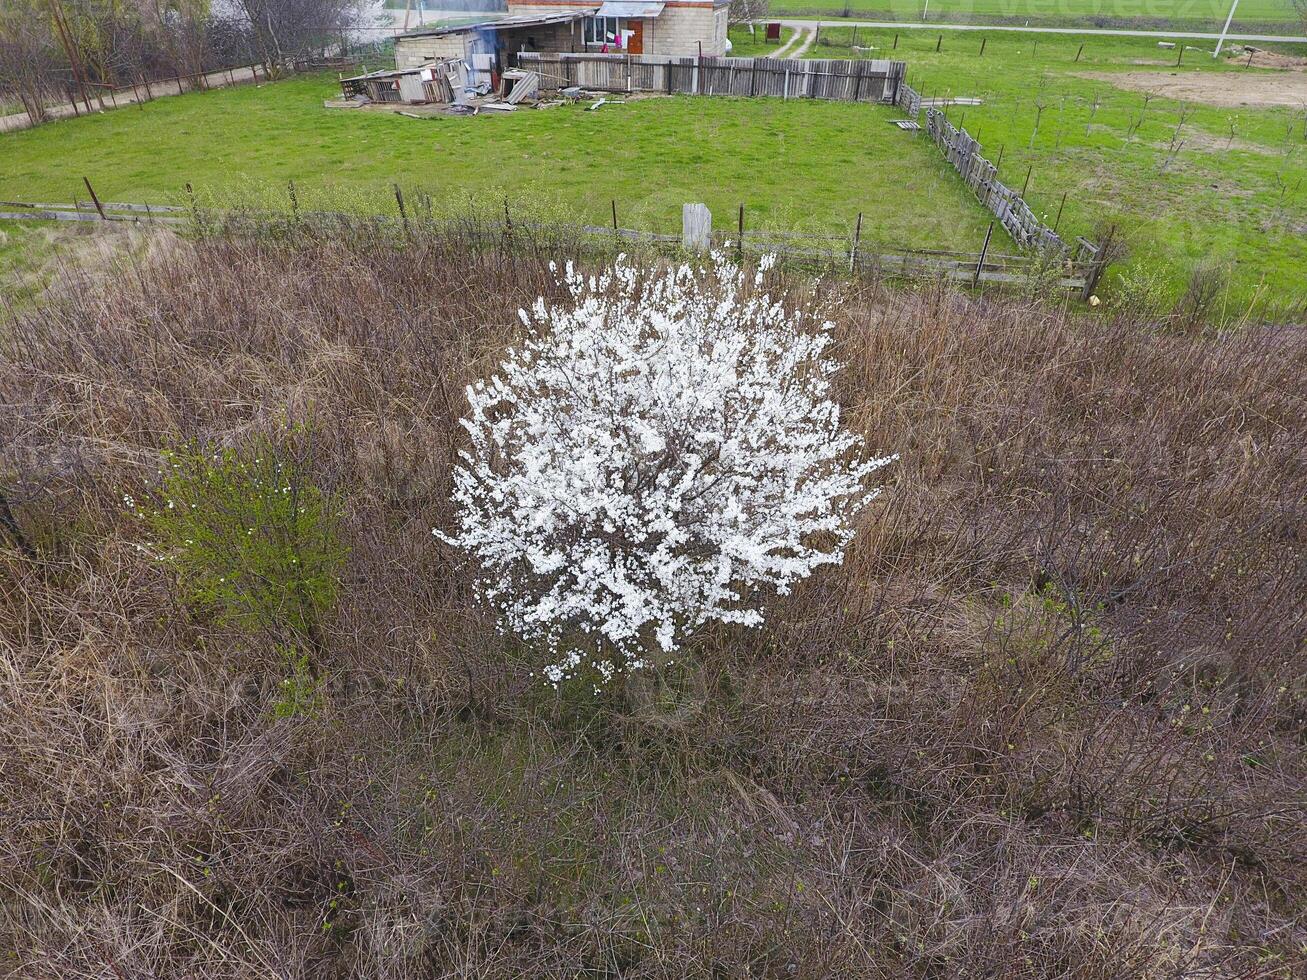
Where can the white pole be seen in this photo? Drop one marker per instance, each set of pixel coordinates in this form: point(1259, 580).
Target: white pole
point(1226, 30)
point(925, 10)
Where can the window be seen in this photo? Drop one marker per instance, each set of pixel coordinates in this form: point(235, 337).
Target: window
point(603, 30)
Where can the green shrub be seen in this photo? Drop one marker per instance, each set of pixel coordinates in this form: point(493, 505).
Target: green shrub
point(250, 537)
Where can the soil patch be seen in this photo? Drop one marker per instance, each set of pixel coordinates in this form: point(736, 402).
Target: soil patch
point(1226, 89)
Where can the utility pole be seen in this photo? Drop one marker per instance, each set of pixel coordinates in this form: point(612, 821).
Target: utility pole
point(1226, 30)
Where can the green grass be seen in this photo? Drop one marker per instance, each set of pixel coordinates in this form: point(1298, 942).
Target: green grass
point(794, 165)
point(1239, 201)
point(746, 45)
point(1200, 15)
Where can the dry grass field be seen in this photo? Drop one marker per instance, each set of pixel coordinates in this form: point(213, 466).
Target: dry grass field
point(1047, 720)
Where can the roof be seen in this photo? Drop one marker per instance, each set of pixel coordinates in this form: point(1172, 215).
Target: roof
point(502, 24)
point(630, 8)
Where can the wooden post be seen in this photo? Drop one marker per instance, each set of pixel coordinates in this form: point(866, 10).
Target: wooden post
point(1027, 182)
point(984, 250)
point(982, 46)
point(696, 227)
point(896, 42)
point(91, 190)
point(857, 239)
point(1081, 51)
point(403, 214)
point(614, 215)
point(854, 42)
point(938, 43)
point(1058, 220)
point(739, 248)
point(1179, 57)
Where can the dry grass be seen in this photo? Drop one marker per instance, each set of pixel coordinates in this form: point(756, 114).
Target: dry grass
point(1047, 721)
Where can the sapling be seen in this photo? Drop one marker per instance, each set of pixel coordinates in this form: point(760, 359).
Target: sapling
point(660, 452)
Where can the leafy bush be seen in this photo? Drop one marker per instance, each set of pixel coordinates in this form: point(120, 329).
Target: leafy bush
point(249, 537)
point(657, 452)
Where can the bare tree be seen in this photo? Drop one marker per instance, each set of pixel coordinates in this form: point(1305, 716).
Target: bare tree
point(29, 57)
point(746, 11)
point(282, 29)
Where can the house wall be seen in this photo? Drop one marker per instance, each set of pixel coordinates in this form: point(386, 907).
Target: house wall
point(677, 31)
point(412, 52)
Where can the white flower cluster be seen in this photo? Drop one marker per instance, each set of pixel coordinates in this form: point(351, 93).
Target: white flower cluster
point(657, 452)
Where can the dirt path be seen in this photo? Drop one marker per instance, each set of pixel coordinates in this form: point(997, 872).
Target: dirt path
point(216, 79)
point(784, 49)
point(1226, 89)
point(808, 38)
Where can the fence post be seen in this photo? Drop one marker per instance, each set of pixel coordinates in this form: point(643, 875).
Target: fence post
point(1100, 264)
point(857, 239)
point(96, 200)
point(1058, 220)
point(614, 216)
point(984, 250)
point(696, 226)
point(403, 214)
point(739, 248)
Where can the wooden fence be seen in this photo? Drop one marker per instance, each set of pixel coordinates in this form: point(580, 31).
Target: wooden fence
point(847, 251)
point(846, 81)
point(963, 152)
point(909, 100)
point(103, 97)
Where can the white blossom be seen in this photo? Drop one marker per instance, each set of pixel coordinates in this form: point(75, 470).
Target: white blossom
point(660, 452)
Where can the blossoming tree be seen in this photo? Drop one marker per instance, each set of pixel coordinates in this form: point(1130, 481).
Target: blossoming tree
point(659, 453)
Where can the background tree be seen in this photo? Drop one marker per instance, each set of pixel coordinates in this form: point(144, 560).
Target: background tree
point(29, 57)
point(746, 11)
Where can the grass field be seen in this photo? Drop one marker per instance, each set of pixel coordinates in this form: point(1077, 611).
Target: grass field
point(1235, 193)
point(1044, 722)
point(793, 165)
point(1197, 14)
point(746, 45)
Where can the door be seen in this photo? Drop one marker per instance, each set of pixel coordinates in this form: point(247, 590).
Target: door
point(636, 44)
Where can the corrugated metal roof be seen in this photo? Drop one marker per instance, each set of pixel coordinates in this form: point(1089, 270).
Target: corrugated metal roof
point(502, 24)
point(630, 8)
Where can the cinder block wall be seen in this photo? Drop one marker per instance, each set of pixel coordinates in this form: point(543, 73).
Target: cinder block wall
point(412, 52)
point(676, 31)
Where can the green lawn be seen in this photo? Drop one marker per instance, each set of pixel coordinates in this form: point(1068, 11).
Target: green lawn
point(1234, 196)
point(755, 45)
point(794, 165)
point(1201, 15)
